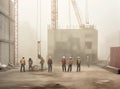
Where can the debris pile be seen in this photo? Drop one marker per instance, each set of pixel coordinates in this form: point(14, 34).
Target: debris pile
point(4, 67)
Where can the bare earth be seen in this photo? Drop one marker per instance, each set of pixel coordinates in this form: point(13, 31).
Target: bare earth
point(89, 78)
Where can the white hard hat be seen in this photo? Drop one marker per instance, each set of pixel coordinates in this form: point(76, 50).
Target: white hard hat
point(78, 57)
point(50, 57)
point(63, 57)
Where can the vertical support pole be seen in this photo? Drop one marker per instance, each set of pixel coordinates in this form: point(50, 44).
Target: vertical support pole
point(38, 27)
point(9, 33)
point(39, 48)
point(86, 10)
point(69, 16)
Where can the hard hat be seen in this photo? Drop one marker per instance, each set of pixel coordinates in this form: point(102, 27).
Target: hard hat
point(70, 57)
point(63, 57)
point(78, 57)
point(50, 57)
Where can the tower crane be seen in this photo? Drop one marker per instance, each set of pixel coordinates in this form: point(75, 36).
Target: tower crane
point(86, 9)
point(76, 10)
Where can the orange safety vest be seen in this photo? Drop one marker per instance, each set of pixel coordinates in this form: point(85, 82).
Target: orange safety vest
point(70, 62)
point(63, 61)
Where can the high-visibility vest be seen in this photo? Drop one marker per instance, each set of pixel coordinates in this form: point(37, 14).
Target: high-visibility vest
point(70, 62)
point(63, 61)
point(78, 61)
point(22, 61)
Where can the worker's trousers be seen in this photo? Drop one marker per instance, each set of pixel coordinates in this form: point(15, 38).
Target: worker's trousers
point(49, 67)
point(64, 67)
point(69, 68)
point(22, 68)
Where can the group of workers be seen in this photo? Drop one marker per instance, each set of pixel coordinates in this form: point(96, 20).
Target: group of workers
point(30, 63)
point(64, 62)
point(70, 62)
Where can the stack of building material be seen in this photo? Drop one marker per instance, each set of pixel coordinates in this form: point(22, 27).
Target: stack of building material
point(114, 64)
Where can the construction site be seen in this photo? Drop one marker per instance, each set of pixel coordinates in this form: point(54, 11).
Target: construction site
point(43, 30)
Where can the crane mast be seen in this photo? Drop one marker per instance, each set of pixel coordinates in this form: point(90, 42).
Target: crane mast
point(16, 31)
point(86, 9)
point(54, 14)
point(76, 10)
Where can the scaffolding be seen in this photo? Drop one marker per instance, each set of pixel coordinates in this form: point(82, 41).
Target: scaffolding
point(16, 31)
point(54, 14)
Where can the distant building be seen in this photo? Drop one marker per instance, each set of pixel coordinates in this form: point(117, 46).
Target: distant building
point(7, 31)
point(73, 42)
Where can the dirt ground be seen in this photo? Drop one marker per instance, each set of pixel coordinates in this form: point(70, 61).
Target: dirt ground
point(89, 78)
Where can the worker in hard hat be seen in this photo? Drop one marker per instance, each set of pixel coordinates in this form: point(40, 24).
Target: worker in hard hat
point(70, 62)
point(78, 64)
point(50, 64)
point(63, 64)
point(30, 62)
point(22, 62)
point(42, 63)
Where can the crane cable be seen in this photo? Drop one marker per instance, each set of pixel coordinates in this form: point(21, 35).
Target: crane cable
point(69, 17)
point(37, 19)
point(38, 27)
point(86, 12)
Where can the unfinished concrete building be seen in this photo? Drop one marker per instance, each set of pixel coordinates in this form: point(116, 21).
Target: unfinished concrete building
point(81, 42)
point(7, 31)
point(73, 42)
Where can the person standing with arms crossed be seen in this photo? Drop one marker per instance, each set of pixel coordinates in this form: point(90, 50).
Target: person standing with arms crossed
point(22, 62)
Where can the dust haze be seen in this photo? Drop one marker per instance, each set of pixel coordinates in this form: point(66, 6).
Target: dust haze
point(103, 14)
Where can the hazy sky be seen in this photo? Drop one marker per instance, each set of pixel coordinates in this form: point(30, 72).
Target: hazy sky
point(104, 14)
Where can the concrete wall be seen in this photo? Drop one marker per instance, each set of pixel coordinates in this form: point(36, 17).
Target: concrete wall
point(4, 6)
point(73, 42)
point(6, 32)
